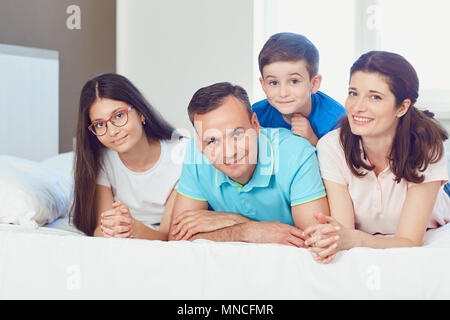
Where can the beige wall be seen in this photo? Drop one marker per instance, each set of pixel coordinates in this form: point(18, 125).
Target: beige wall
point(82, 53)
point(171, 48)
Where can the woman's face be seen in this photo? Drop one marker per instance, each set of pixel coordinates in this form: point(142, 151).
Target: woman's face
point(371, 106)
point(123, 138)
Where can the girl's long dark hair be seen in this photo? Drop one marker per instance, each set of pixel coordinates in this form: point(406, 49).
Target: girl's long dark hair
point(419, 137)
point(88, 149)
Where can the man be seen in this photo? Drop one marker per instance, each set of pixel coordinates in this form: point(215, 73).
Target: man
point(264, 185)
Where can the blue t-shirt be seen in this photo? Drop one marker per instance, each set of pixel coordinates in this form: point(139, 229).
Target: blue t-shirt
point(325, 113)
point(287, 174)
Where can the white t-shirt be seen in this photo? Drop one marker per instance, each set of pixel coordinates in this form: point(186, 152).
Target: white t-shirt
point(145, 193)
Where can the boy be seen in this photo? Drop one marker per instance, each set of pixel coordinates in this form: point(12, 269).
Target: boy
point(289, 63)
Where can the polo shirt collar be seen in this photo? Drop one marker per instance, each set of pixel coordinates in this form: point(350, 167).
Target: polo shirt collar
point(263, 171)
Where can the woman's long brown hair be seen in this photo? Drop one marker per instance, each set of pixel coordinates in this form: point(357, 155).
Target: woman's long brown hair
point(419, 137)
point(88, 149)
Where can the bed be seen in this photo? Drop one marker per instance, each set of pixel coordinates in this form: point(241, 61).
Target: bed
point(53, 260)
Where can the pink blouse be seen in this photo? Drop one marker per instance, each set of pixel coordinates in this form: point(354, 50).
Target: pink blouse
point(378, 201)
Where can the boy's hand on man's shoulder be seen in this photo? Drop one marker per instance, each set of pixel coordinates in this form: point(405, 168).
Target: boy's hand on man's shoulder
point(300, 126)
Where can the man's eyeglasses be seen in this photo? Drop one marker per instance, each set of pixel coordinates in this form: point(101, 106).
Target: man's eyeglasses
point(119, 119)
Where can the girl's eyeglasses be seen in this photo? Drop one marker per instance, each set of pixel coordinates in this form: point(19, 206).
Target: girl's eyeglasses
point(119, 119)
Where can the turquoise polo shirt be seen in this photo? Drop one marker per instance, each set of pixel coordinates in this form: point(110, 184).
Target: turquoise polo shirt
point(287, 174)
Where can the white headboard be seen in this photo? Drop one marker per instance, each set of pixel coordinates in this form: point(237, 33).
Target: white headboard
point(29, 102)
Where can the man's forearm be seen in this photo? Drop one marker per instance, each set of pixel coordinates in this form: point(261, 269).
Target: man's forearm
point(238, 218)
point(256, 232)
point(215, 221)
point(227, 234)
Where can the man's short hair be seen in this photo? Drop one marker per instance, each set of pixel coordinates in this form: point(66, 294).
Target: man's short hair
point(287, 46)
point(211, 97)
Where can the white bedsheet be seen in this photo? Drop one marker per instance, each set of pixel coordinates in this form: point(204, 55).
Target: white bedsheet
point(55, 262)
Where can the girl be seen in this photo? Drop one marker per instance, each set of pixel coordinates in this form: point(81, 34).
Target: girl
point(385, 168)
point(127, 162)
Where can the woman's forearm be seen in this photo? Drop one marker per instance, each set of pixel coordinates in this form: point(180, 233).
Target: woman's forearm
point(362, 239)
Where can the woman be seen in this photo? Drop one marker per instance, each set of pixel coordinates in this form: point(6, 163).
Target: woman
point(385, 168)
point(125, 162)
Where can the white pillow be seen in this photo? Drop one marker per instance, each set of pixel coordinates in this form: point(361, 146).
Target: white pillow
point(62, 162)
point(31, 193)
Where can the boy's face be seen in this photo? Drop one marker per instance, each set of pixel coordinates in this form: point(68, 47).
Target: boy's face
point(229, 139)
point(288, 86)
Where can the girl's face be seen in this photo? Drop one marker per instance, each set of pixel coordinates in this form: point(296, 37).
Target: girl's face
point(120, 139)
point(371, 106)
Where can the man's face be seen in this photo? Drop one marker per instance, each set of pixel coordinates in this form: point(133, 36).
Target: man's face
point(229, 139)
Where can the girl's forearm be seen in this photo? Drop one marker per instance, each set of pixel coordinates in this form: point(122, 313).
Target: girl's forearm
point(98, 232)
point(144, 232)
point(141, 232)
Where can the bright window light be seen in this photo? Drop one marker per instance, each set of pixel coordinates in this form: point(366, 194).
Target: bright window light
point(418, 30)
point(331, 33)
point(343, 30)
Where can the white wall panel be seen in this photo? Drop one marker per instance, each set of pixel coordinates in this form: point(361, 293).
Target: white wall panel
point(29, 102)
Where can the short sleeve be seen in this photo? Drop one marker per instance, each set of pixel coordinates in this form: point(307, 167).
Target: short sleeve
point(307, 183)
point(189, 183)
point(435, 172)
point(331, 158)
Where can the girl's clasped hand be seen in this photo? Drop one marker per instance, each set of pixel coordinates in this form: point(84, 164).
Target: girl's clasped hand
point(117, 222)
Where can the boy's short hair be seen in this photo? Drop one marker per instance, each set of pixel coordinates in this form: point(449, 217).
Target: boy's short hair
point(211, 97)
point(287, 46)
